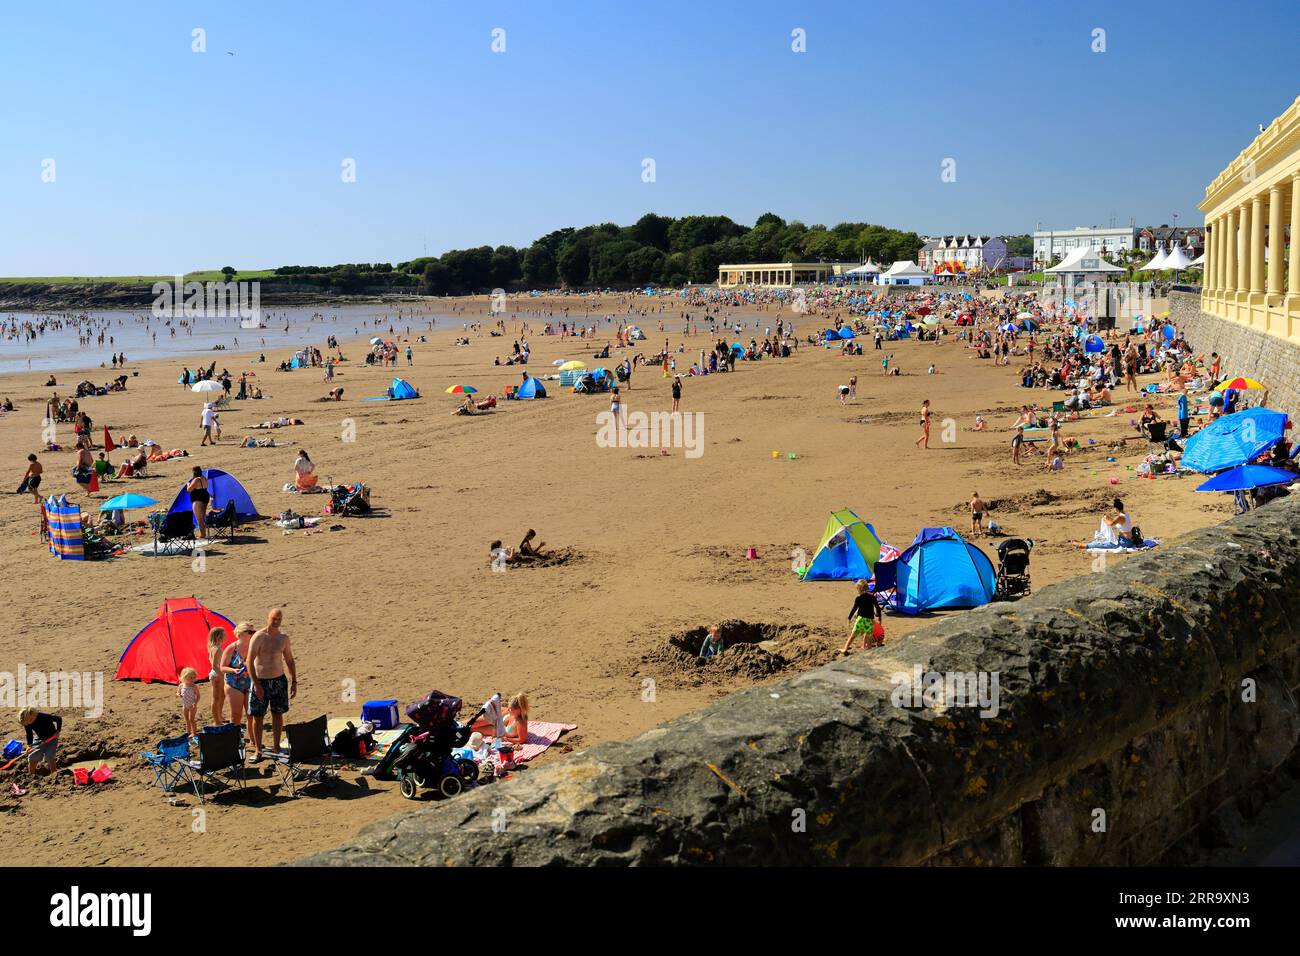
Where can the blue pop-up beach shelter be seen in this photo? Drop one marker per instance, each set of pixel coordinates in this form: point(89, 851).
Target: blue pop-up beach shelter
point(1234, 439)
point(940, 570)
point(402, 389)
point(531, 388)
point(223, 487)
point(1094, 344)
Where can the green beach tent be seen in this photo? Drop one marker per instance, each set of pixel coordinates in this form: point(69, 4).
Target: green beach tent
point(848, 551)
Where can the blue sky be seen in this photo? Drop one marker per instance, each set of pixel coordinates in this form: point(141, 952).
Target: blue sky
point(169, 160)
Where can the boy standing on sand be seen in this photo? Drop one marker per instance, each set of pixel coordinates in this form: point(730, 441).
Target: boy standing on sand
point(977, 508)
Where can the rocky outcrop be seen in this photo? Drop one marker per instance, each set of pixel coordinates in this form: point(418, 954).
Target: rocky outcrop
point(1132, 703)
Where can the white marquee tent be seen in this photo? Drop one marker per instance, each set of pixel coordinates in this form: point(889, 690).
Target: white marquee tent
point(1177, 259)
point(904, 272)
point(1157, 263)
point(1083, 260)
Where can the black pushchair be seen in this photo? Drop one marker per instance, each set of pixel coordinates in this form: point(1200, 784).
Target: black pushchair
point(1013, 567)
point(424, 759)
point(346, 500)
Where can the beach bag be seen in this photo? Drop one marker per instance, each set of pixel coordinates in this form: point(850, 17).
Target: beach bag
point(351, 744)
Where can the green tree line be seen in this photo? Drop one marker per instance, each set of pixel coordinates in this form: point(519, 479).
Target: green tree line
point(655, 250)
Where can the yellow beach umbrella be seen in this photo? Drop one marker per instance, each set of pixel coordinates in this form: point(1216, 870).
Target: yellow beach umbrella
point(570, 366)
point(1239, 383)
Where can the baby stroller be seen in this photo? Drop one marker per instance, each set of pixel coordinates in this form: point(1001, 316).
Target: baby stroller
point(1013, 567)
point(424, 759)
point(346, 500)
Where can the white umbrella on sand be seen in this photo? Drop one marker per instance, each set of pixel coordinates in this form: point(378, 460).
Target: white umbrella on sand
point(376, 341)
point(208, 385)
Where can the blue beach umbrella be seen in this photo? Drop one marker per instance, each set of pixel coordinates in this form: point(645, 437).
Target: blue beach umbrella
point(1234, 439)
point(127, 502)
point(1246, 477)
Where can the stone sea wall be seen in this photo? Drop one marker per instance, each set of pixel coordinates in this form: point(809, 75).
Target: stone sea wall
point(1135, 707)
point(1245, 351)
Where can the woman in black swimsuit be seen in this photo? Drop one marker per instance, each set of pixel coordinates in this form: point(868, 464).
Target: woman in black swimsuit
point(199, 498)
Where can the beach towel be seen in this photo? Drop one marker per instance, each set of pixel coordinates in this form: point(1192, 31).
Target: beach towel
point(542, 735)
point(1120, 548)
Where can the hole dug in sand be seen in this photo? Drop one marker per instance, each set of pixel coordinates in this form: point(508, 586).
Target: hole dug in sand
point(752, 652)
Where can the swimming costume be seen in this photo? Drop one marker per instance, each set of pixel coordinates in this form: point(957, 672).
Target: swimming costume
point(241, 681)
point(200, 496)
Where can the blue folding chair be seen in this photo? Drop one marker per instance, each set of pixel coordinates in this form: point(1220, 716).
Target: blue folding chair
point(169, 764)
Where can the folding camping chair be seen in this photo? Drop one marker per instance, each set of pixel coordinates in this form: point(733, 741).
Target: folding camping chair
point(309, 746)
point(173, 533)
point(225, 524)
point(169, 764)
point(221, 753)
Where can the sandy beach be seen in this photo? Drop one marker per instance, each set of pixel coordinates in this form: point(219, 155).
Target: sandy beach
point(406, 601)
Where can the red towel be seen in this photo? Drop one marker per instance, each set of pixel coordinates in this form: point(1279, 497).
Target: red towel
point(109, 447)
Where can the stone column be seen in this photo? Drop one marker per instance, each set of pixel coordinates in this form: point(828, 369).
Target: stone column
point(1276, 240)
point(1216, 239)
point(1211, 259)
point(1215, 260)
point(1257, 244)
point(1230, 251)
point(1293, 280)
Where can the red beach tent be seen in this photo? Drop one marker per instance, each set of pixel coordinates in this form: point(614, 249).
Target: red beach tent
point(175, 639)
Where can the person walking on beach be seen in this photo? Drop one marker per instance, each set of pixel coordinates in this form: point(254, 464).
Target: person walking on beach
point(866, 619)
point(32, 478)
point(84, 470)
point(924, 440)
point(616, 407)
point(206, 421)
point(270, 655)
point(677, 392)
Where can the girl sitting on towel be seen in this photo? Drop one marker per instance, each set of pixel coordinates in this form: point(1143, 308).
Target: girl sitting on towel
point(304, 471)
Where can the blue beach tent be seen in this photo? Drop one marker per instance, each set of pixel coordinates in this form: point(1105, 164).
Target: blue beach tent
point(1234, 439)
point(940, 570)
point(847, 333)
point(402, 389)
point(531, 388)
point(1094, 344)
point(848, 550)
point(223, 487)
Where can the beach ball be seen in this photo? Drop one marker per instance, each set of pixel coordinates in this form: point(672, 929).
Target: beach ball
point(776, 454)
